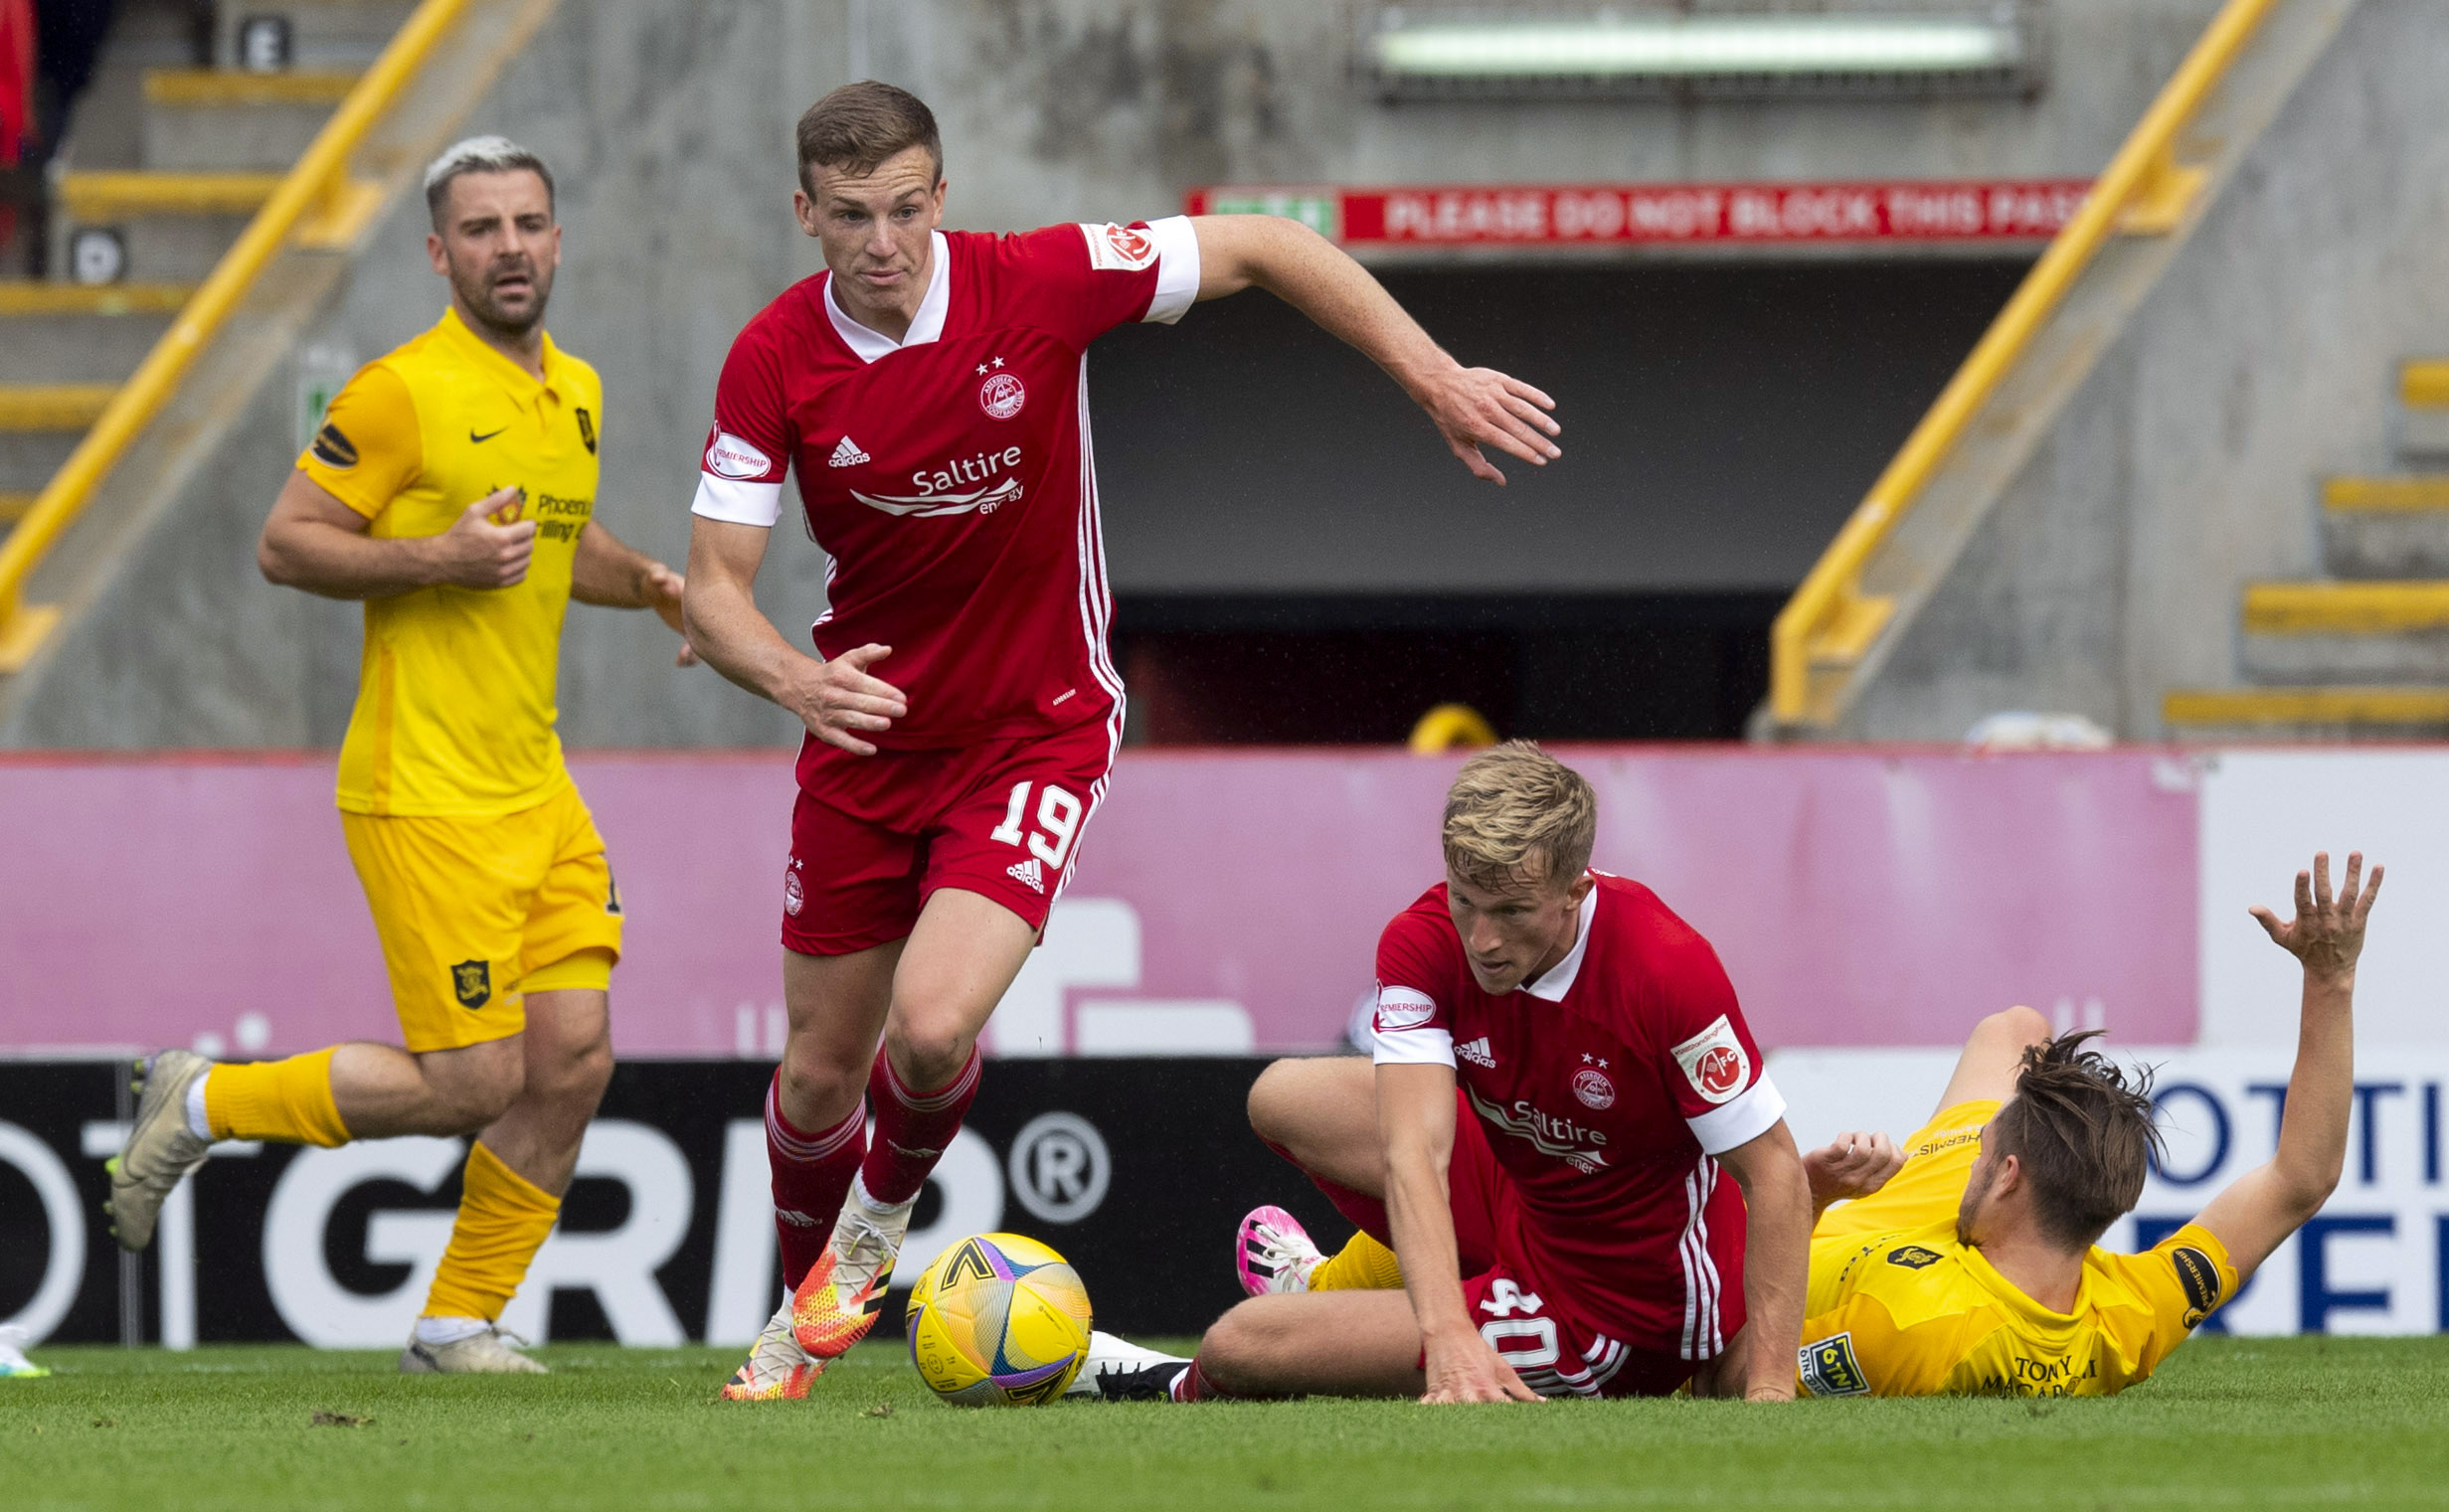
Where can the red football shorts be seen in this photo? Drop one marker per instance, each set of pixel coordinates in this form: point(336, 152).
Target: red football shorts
point(1552, 1343)
point(873, 837)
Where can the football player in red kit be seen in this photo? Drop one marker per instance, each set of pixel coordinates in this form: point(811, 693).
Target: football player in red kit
point(1562, 1077)
point(963, 714)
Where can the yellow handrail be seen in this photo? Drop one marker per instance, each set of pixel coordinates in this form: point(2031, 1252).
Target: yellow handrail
point(318, 181)
point(2144, 172)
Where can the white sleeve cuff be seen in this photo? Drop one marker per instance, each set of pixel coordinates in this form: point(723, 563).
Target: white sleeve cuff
point(737, 503)
point(1742, 1122)
point(1411, 1047)
point(1177, 268)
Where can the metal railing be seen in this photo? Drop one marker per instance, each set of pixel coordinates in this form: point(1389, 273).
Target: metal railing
point(316, 193)
point(2143, 191)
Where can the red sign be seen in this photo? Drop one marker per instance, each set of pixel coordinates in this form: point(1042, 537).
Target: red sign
point(1485, 215)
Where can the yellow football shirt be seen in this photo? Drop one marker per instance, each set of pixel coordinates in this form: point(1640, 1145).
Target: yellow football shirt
point(455, 696)
point(1919, 1313)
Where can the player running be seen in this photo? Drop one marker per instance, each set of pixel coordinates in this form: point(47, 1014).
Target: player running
point(929, 391)
point(1969, 1264)
point(1560, 1219)
point(451, 489)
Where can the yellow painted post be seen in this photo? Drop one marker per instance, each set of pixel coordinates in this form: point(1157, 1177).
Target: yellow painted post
point(1831, 593)
point(325, 164)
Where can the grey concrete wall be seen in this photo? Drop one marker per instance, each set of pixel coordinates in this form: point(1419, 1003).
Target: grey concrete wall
point(2188, 464)
point(669, 123)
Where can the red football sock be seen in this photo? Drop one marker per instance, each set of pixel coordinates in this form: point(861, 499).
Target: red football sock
point(1197, 1385)
point(812, 1176)
point(1364, 1211)
point(911, 1128)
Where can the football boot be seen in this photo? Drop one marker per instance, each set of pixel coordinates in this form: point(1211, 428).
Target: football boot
point(777, 1369)
point(159, 1150)
point(1274, 1253)
point(479, 1354)
point(836, 1303)
point(1116, 1370)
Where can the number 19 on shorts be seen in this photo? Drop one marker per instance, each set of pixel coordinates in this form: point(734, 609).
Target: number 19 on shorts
point(1056, 822)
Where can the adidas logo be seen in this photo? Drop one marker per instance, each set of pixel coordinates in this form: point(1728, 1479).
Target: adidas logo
point(1476, 1051)
point(1030, 872)
point(847, 454)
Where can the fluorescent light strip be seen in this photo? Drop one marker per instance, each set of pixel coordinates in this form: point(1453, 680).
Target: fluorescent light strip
point(1696, 47)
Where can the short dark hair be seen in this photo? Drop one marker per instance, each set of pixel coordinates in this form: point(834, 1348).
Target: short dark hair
point(860, 126)
point(479, 154)
point(2082, 1130)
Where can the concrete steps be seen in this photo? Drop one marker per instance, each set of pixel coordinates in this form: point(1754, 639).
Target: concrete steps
point(2423, 393)
point(2364, 653)
point(173, 159)
point(174, 225)
point(2386, 526)
point(2347, 632)
point(218, 119)
point(2308, 713)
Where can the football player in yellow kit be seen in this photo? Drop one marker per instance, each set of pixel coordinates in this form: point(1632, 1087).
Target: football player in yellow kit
point(451, 489)
point(1968, 1262)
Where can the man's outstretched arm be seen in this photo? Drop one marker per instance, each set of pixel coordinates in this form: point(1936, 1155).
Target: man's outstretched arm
point(2256, 1212)
point(1415, 1112)
point(1470, 406)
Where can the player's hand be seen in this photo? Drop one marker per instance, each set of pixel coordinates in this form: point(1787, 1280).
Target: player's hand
point(1481, 406)
point(1469, 1371)
point(2327, 934)
point(660, 587)
point(839, 698)
point(489, 545)
point(1851, 1165)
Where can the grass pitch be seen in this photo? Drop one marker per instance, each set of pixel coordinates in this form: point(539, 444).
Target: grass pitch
point(2230, 1422)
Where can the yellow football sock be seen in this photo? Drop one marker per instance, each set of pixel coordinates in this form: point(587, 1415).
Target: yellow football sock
point(1363, 1265)
point(287, 1101)
point(503, 1219)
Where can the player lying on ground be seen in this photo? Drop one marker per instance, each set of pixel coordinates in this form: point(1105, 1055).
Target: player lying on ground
point(1952, 1272)
point(927, 391)
point(1561, 1075)
point(451, 489)
point(1969, 1262)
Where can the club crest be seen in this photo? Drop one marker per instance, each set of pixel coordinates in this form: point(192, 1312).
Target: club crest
point(587, 430)
point(471, 981)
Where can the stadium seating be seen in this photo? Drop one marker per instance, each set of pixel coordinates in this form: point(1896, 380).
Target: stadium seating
point(2363, 651)
point(153, 209)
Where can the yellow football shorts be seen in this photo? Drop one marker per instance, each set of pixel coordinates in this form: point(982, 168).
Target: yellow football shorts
point(1930, 1188)
point(474, 914)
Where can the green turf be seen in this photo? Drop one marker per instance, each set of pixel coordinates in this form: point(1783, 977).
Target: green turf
point(2245, 1423)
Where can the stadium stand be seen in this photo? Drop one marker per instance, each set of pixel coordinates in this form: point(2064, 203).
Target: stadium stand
point(2360, 652)
point(240, 189)
point(2134, 447)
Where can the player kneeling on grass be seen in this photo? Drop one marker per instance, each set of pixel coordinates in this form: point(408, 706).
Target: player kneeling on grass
point(1560, 1070)
point(1969, 1262)
point(452, 489)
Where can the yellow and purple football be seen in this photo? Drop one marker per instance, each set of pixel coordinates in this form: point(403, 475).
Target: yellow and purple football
point(998, 1320)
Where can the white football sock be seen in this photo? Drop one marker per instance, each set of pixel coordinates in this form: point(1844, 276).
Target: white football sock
point(858, 1191)
point(197, 1124)
point(434, 1333)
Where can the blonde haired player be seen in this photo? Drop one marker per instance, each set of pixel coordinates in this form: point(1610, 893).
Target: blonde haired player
point(1969, 1262)
point(451, 489)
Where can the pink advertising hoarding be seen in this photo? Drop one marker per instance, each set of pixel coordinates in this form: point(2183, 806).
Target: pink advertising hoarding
point(1223, 900)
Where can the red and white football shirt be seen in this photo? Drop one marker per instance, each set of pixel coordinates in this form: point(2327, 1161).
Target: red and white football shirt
point(949, 475)
point(1605, 1086)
